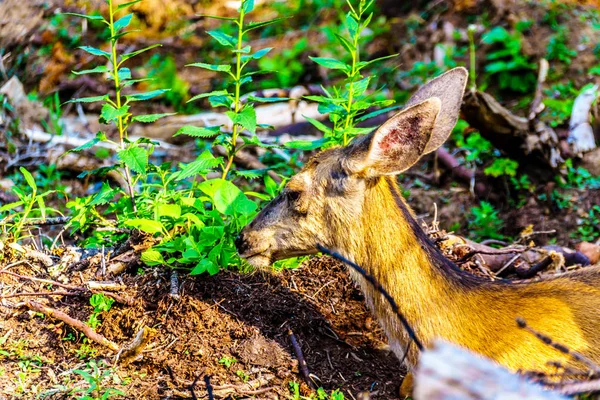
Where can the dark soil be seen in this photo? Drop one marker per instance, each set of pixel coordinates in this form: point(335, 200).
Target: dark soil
point(224, 317)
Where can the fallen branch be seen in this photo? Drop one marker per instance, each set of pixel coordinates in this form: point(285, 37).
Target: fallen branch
point(301, 360)
point(74, 323)
point(581, 134)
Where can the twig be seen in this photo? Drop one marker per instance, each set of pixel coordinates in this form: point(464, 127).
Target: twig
point(489, 253)
point(192, 386)
point(537, 106)
point(174, 291)
point(48, 281)
point(521, 323)
point(301, 360)
point(377, 285)
point(37, 294)
point(508, 264)
point(209, 388)
point(534, 269)
point(487, 242)
point(571, 389)
point(74, 323)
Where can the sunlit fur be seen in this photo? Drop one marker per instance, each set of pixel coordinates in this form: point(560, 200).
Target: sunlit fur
point(367, 221)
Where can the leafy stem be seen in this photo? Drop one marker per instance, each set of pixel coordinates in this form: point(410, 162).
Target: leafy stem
point(122, 127)
point(238, 84)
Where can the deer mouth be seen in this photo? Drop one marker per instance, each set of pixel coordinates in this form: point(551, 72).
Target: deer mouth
point(259, 260)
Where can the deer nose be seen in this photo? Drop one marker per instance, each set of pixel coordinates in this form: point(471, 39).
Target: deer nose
point(240, 243)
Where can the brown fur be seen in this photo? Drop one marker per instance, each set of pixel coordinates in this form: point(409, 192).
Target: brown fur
point(343, 200)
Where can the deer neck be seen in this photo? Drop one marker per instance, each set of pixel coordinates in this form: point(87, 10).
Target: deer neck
point(390, 245)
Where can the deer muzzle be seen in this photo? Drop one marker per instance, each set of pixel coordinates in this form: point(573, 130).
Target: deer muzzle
point(254, 248)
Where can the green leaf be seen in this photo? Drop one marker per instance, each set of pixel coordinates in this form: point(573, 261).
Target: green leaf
point(90, 17)
point(250, 174)
point(146, 95)
point(201, 267)
point(331, 63)
point(145, 225)
point(345, 43)
point(246, 118)
point(100, 137)
point(127, 56)
point(110, 113)
point(94, 51)
point(169, 210)
point(307, 145)
point(213, 93)
point(319, 125)
point(99, 172)
point(212, 67)
point(376, 113)
point(152, 257)
point(202, 165)
point(105, 195)
point(124, 74)
point(223, 38)
point(100, 69)
point(247, 6)
point(199, 131)
point(29, 178)
point(150, 117)
point(267, 99)
point(261, 53)
point(88, 99)
point(256, 25)
point(128, 4)
point(227, 198)
point(135, 158)
point(123, 22)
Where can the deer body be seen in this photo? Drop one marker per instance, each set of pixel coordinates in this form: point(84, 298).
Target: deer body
point(347, 200)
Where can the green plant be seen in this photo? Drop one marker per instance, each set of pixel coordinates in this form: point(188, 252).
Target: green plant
point(94, 383)
point(18, 212)
point(243, 375)
point(507, 65)
point(101, 303)
point(349, 104)
point(589, 228)
point(502, 167)
point(163, 72)
point(132, 156)
point(484, 222)
point(227, 361)
point(577, 177)
point(320, 394)
point(558, 48)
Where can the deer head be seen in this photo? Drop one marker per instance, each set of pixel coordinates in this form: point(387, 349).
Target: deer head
point(321, 202)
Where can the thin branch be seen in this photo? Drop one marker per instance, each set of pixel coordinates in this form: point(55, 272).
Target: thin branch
point(377, 285)
point(560, 347)
point(74, 323)
point(301, 360)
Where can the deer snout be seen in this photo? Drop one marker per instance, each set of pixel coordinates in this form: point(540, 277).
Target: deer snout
point(253, 247)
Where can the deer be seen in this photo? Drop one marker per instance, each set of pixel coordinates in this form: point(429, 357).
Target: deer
point(347, 199)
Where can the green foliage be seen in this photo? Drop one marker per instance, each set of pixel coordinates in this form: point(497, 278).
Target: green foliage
point(31, 204)
point(484, 222)
point(558, 47)
point(349, 104)
point(589, 227)
point(227, 361)
point(559, 103)
point(321, 394)
point(502, 167)
point(101, 303)
point(477, 149)
point(163, 73)
point(506, 64)
point(577, 177)
point(95, 382)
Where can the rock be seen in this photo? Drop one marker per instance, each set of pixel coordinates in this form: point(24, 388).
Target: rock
point(590, 250)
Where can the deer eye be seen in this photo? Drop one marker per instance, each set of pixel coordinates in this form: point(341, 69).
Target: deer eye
point(293, 195)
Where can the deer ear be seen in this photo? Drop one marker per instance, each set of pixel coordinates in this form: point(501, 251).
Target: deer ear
point(397, 144)
point(449, 88)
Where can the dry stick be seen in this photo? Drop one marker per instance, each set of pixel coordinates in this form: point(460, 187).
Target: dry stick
point(572, 389)
point(209, 388)
point(74, 323)
point(192, 386)
point(535, 268)
point(489, 253)
point(37, 294)
point(377, 285)
point(301, 360)
point(560, 347)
